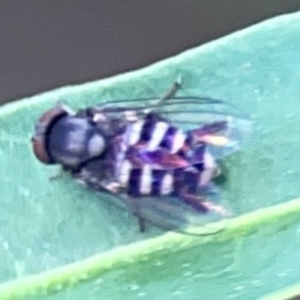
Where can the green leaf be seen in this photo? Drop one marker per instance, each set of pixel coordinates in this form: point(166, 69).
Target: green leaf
point(289, 293)
point(50, 230)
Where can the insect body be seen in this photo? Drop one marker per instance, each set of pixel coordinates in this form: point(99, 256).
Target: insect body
point(158, 160)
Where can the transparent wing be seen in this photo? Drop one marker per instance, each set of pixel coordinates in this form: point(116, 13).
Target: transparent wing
point(223, 127)
point(175, 214)
point(203, 212)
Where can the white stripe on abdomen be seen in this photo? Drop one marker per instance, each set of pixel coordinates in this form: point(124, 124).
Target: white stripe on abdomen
point(209, 168)
point(167, 184)
point(133, 132)
point(146, 180)
point(178, 140)
point(124, 172)
point(157, 135)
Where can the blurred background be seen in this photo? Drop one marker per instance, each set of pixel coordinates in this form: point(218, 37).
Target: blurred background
point(48, 44)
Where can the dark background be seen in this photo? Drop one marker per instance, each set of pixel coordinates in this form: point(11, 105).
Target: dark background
point(47, 44)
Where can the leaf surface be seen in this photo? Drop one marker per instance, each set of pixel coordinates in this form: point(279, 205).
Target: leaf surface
point(46, 225)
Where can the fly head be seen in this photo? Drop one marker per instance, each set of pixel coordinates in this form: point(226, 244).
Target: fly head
point(62, 137)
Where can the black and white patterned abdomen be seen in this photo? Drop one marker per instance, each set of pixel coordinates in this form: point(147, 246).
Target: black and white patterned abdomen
point(154, 134)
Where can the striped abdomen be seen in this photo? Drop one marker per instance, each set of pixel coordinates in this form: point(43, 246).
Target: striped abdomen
point(151, 182)
point(153, 133)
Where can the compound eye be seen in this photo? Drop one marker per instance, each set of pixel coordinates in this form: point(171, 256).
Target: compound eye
point(39, 150)
point(45, 122)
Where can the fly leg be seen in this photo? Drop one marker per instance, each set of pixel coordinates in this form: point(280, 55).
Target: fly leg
point(172, 91)
point(211, 134)
point(203, 205)
point(194, 201)
point(168, 95)
point(142, 224)
point(135, 210)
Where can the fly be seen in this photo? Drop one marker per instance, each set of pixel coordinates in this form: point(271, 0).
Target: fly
point(157, 157)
